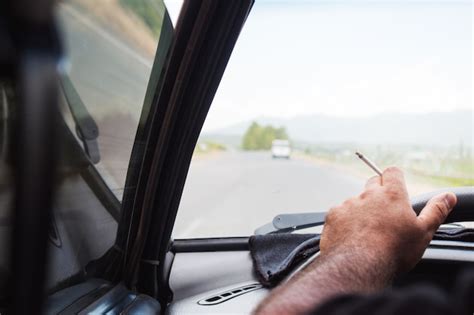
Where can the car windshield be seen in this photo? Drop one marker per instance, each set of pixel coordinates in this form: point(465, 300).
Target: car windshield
point(391, 79)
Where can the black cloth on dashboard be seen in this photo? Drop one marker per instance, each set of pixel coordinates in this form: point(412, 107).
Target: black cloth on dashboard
point(457, 234)
point(418, 299)
point(276, 255)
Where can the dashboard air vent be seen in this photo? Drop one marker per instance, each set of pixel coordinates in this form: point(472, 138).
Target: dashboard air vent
point(229, 294)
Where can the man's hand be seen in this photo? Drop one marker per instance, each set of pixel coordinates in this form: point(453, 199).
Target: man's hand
point(381, 222)
point(365, 242)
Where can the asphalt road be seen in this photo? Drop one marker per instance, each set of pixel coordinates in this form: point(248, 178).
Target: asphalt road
point(232, 193)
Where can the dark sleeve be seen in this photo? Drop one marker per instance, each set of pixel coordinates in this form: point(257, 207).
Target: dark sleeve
point(413, 300)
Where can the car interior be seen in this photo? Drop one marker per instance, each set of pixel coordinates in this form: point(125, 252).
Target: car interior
point(103, 243)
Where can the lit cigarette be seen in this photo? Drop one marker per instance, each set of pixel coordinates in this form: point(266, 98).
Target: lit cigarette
point(369, 163)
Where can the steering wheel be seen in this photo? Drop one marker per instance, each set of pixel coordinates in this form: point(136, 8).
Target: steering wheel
point(464, 209)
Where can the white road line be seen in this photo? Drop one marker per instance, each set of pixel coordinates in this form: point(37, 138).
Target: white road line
point(106, 35)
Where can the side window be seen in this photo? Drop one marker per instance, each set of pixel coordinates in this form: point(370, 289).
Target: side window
point(111, 46)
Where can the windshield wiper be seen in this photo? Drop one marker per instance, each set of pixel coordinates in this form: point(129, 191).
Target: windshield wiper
point(291, 222)
point(283, 223)
point(86, 128)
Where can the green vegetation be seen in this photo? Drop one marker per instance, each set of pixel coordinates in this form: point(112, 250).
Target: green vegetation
point(259, 137)
point(149, 12)
point(446, 181)
point(209, 146)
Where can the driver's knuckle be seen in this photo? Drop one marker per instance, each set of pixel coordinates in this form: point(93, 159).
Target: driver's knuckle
point(441, 209)
point(348, 203)
point(332, 214)
point(393, 169)
point(392, 193)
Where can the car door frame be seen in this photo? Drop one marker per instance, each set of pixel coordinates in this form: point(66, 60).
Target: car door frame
point(204, 37)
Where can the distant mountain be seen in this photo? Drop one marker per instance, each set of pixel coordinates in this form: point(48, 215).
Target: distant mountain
point(435, 128)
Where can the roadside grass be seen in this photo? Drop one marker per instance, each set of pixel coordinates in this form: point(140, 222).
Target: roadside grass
point(151, 14)
point(447, 180)
point(207, 147)
point(450, 172)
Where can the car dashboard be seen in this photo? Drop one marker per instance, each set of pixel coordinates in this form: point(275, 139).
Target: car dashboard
point(226, 283)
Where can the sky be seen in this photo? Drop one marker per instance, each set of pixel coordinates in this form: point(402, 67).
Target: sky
point(346, 58)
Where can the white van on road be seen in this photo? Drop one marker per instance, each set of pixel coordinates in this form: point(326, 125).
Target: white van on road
point(281, 149)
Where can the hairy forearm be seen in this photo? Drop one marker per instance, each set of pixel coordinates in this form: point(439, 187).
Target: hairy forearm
point(365, 241)
point(329, 275)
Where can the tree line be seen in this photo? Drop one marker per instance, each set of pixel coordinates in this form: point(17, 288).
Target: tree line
point(258, 137)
